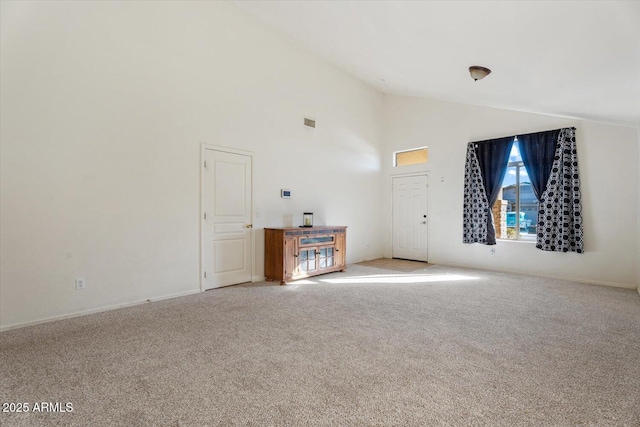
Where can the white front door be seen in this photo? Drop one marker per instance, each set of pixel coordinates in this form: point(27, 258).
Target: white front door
point(226, 218)
point(409, 222)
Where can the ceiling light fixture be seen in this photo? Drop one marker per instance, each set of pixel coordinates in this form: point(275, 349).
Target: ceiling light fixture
point(478, 73)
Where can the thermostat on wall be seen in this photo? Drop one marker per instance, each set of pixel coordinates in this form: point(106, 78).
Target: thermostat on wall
point(285, 194)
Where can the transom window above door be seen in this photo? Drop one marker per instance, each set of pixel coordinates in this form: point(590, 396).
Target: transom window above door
point(415, 156)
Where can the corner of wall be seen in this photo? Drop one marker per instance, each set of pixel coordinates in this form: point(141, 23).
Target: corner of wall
point(638, 144)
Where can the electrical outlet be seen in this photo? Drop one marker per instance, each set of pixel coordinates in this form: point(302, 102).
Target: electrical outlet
point(493, 251)
point(80, 284)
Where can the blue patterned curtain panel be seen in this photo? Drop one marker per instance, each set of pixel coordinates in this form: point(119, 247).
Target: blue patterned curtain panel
point(476, 203)
point(560, 214)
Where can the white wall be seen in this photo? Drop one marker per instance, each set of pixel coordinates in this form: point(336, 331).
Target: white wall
point(609, 176)
point(105, 106)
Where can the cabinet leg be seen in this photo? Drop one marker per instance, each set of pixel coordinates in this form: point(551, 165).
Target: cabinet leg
point(283, 283)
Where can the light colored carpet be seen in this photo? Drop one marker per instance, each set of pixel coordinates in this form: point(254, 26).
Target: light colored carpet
point(395, 264)
point(441, 346)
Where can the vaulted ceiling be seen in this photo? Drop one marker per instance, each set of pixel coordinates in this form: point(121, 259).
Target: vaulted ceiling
point(577, 59)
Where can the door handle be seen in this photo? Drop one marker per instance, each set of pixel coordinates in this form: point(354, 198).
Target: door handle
point(248, 225)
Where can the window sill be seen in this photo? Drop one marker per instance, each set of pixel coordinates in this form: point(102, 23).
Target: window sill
point(531, 242)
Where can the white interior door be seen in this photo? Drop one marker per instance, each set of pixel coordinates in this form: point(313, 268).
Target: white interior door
point(409, 217)
point(226, 218)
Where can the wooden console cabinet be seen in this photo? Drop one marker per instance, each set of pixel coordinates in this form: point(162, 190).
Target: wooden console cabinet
point(296, 252)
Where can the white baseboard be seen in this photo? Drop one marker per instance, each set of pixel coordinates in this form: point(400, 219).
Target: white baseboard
point(96, 310)
point(547, 276)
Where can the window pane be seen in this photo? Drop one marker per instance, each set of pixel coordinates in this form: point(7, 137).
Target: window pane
point(509, 195)
point(413, 157)
point(515, 213)
point(528, 208)
point(514, 155)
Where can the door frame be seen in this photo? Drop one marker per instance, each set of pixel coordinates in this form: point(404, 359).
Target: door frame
point(406, 175)
point(203, 150)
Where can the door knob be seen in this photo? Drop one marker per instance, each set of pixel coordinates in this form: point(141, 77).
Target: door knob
point(248, 225)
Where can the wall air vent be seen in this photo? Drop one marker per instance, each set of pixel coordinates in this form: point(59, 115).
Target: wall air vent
point(309, 122)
